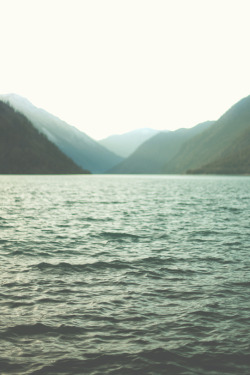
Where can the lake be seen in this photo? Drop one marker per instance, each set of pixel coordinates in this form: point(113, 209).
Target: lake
point(115, 275)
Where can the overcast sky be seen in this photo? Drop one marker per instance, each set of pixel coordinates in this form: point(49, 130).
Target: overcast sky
point(110, 66)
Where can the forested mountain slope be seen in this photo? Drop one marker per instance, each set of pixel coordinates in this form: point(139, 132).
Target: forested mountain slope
point(213, 150)
point(151, 156)
point(23, 150)
point(78, 146)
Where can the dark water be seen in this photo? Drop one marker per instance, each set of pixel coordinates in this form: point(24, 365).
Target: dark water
point(108, 275)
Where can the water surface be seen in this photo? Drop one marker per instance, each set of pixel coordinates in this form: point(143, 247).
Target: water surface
point(107, 275)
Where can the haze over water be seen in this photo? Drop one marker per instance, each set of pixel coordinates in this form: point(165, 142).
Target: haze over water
point(106, 275)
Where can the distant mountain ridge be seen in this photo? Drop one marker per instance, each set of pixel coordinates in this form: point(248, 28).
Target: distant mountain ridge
point(212, 147)
point(217, 147)
point(125, 144)
point(23, 150)
point(78, 146)
point(151, 156)
point(223, 148)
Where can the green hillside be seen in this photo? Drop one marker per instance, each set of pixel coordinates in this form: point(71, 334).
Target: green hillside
point(78, 146)
point(23, 150)
point(214, 150)
point(151, 156)
point(236, 159)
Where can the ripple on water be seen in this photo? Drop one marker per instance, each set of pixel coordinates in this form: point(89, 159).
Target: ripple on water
point(124, 275)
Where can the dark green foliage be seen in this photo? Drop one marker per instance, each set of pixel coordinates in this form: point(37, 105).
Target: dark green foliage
point(78, 146)
point(23, 150)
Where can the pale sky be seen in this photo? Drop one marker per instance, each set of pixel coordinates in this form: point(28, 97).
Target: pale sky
point(111, 66)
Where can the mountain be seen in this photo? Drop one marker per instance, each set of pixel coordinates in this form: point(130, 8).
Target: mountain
point(152, 155)
point(78, 146)
point(23, 150)
point(223, 148)
point(125, 144)
point(236, 161)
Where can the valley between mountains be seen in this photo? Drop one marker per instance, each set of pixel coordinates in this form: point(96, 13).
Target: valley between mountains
point(34, 141)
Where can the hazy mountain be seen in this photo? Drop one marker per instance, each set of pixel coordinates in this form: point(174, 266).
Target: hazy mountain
point(223, 148)
point(125, 144)
point(152, 155)
point(236, 161)
point(23, 150)
point(85, 152)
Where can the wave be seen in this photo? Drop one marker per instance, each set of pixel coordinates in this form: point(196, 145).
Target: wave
point(119, 235)
point(136, 266)
point(9, 367)
point(214, 259)
point(158, 361)
point(86, 267)
point(143, 287)
point(42, 329)
point(96, 219)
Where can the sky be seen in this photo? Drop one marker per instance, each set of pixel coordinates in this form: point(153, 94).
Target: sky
point(111, 66)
